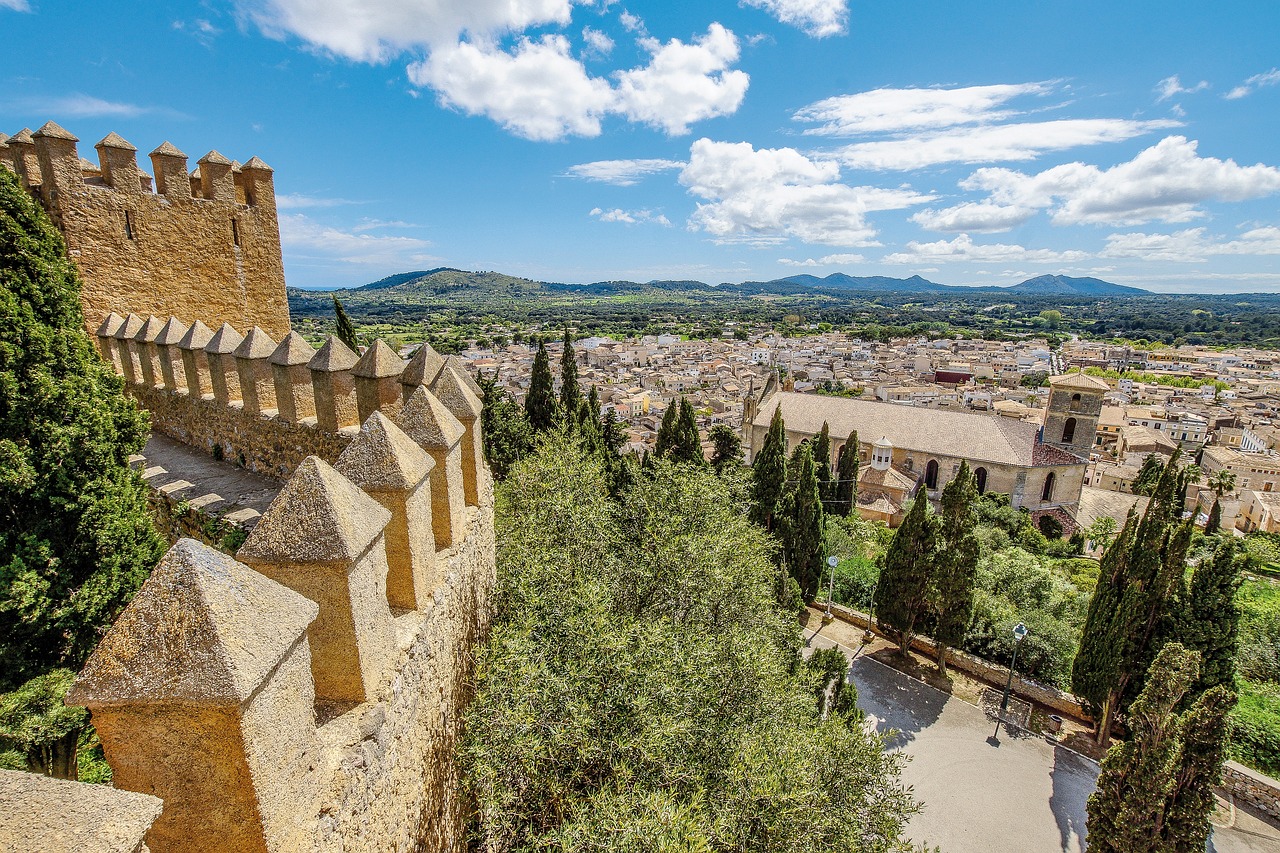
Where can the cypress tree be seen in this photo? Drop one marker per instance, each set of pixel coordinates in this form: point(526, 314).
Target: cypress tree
point(803, 524)
point(955, 573)
point(769, 474)
point(902, 592)
point(728, 447)
point(1148, 475)
point(540, 405)
point(846, 485)
point(668, 431)
point(822, 461)
point(570, 393)
point(346, 330)
point(1209, 621)
point(1214, 522)
point(1205, 728)
point(76, 539)
point(1130, 603)
point(612, 430)
point(688, 442)
point(504, 429)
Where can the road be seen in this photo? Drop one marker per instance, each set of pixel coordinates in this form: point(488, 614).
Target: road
point(1020, 794)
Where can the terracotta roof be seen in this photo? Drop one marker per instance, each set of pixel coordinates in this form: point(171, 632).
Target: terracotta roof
point(980, 438)
point(889, 478)
point(1079, 380)
point(1047, 454)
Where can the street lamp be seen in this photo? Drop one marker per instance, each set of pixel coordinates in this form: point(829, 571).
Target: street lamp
point(831, 585)
point(1019, 633)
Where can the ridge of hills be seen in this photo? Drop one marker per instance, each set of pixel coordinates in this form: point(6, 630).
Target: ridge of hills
point(444, 280)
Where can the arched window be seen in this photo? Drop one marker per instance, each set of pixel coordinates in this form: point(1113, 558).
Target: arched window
point(931, 474)
point(1069, 431)
point(980, 476)
point(1075, 402)
point(1047, 494)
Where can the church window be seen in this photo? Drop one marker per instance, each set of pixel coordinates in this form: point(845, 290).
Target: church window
point(1075, 402)
point(931, 474)
point(980, 476)
point(1069, 431)
point(1047, 494)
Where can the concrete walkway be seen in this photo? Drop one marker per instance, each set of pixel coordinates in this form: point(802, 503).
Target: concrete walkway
point(1020, 794)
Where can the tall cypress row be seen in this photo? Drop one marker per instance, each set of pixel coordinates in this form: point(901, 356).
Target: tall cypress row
point(769, 474)
point(822, 463)
point(540, 405)
point(802, 525)
point(570, 392)
point(955, 573)
point(902, 593)
point(846, 485)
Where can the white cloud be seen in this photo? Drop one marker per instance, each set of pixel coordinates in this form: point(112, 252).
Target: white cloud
point(1191, 245)
point(818, 18)
point(621, 173)
point(1257, 81)
point(598, 43)
point(1165, 182)
point(1170, 86)
point(962, 248)
point(630, 217)
point(632, 23)
point(16, 5)
point(824, 261)
point(684, 83)
point(299, 201)
point(539, 91)
point(769, 195)
point(376, 30)
point(78, 105)
point(305, 239)
point(995, 143)
point(894, 110)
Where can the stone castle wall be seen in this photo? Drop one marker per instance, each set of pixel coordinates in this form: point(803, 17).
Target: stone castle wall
point(204, 244)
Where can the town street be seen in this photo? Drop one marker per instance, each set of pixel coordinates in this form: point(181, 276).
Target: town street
point(1023, 794)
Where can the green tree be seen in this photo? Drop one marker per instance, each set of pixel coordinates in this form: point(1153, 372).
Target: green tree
point(1222, 481)
point(1130, 602)
point(504, 427)
point(668, 431)
point(846, 485)
point(1102, 532)
point(1208, 621)
point(955, 573)
point(76, 539)
point(345, 330)
point(822, 461)
point(570, 393)
point(1213, 524)
point(640, 689)
point(38, 724)
point(1148, 475)
point(1191, 803)
point(688, 446)
point(540, 404)
point(769, 474)
point(802, 525)
point(728, 447)
point(902, 594)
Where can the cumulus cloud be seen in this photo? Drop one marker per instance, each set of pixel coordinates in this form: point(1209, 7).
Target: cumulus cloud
point(1254, 83)
point(376, 30)
point(1165, 182)
point(962, 248)
point(630, 217)
point(1170, 86)
point(538, 91)
point(621, 173)
point(597, 42)
point(1192, 245)
point(894, 110)
point(987, 144)
point(304, 240)
point(684, 83)
point(824, 261)
point(769, 195)
point(817, 18)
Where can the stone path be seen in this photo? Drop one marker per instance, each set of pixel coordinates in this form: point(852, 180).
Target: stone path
point(1020, 794)
point(181, 472)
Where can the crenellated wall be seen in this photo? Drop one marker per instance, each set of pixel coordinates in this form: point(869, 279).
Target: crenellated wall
point(201, 244)
point(305, 695)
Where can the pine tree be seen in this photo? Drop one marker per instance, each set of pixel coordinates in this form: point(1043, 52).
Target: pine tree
point(728, 447)
point(1209, 618)
point(1130, 603)
point(346, 330)
point(1138, 776)
point(846, 486)
point(570, 393)
point(504, 429)
point(955, 573)
point(76, 539)
point(902, 593)
point(540, 405)
point(822, 459)
point(769, 474)
point(802, 526)
point(1214, 523)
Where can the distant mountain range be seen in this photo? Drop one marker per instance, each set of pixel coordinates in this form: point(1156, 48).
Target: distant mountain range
point(443, 279)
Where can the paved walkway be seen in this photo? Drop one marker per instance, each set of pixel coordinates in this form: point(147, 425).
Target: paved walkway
point(1020, 794)
point(185, 473)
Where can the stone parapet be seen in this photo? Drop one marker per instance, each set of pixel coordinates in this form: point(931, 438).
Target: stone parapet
point(43, 815)
point(1261, 792)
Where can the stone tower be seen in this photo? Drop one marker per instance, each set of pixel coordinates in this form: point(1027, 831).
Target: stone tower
point(1071, 421)
point(203, 245)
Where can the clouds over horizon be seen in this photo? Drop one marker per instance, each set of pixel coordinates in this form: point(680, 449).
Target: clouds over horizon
point(305, 239)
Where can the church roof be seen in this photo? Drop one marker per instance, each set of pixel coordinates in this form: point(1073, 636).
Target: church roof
point(1083, 381)
point(890, 478)
point(978, 438)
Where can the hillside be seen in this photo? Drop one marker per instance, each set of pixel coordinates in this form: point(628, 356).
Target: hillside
point(1064, 284)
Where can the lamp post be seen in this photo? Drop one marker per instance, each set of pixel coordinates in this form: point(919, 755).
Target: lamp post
point(831, 585)
point(1019, 633)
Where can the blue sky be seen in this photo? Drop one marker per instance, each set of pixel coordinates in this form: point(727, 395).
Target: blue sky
point(969, 142)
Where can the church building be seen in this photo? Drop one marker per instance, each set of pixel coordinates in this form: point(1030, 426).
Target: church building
point(903, 449)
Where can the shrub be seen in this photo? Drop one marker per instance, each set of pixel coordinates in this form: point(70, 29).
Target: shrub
point(1255, 727)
